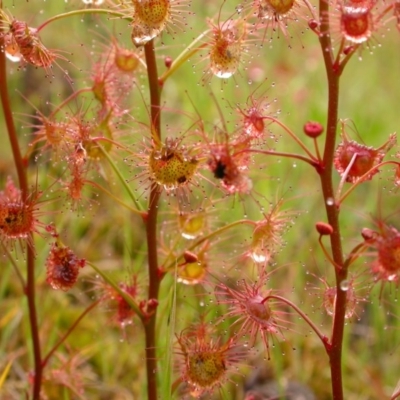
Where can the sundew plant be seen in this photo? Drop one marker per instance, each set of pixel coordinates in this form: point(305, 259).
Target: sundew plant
point(199, 199)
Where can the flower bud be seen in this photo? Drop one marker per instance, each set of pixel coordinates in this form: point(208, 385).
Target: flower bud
point(168, 61)
point(313, 129)
point(190, 257)
point(62, 267)
point(313, 24)
point(323, 228)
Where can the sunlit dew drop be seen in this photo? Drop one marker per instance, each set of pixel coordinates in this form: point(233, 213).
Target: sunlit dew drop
point(201, 304)
point(13, 57)
point(188, 236)
point(223, 74)
point(94, 2)
point(344, 285)
point(330, 201)
point(258, 257)
point(140, 36)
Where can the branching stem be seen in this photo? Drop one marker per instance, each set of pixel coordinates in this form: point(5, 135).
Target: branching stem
point(332, 211)
point(323, 338)
point(293, 136)
point(281, 154)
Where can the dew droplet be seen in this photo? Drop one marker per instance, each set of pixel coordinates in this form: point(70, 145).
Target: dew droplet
point(330, 201)
point(344, 285)
point(260, 255)
point(222, 74)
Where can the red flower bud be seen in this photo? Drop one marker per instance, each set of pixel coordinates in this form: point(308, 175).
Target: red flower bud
point(168, 62)
point(323, 228)
point(190, 257)
point(313, 129)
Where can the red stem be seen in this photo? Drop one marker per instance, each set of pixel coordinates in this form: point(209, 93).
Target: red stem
point(323, 338)
point(280, 154)
point(12, 133)
point(30, 260)
point(33, 320)
point(151, 228)
point(332, 211)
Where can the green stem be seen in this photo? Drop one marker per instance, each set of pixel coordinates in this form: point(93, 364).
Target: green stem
point(69, 331)
point(117, 171)
point(346, 59)
point(327, 255)
point(14, 264)
point(80, 12)
point(126, 296)
point(355, 253)
point(189, 51)
point(217, 232)
point(115, 198)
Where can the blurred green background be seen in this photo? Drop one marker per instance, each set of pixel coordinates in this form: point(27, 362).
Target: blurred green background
point(290, 72)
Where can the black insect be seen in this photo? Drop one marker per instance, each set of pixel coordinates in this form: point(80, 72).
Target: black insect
point(219, 171)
